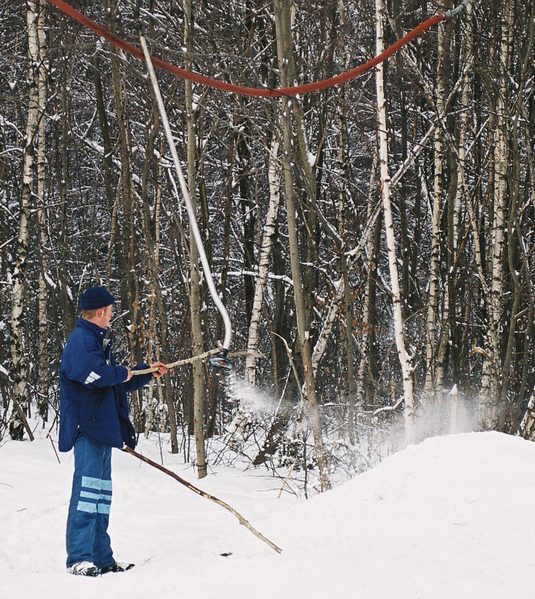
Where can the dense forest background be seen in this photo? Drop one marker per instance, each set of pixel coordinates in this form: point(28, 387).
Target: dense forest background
point(343, 326)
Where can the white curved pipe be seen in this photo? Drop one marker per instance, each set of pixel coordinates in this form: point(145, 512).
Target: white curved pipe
point(187, 200)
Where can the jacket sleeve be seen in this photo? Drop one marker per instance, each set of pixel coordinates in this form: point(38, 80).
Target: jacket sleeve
point(136, 382)
point(87, 366)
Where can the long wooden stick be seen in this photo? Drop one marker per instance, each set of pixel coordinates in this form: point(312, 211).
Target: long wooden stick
point(206, 354)
point(193, 488)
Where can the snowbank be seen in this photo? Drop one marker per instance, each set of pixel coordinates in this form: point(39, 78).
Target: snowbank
point(449, 518)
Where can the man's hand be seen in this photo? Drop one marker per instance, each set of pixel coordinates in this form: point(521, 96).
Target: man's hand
point(162, 369)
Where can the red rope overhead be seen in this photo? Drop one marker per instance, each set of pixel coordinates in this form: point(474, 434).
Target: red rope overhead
point(239, 89)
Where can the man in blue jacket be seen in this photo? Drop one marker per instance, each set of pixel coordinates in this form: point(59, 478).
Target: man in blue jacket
point(94, 417)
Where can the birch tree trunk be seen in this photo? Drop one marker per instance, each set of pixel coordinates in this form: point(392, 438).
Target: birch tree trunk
point(404, 357)
point(432, 386)
point(18, 277)
point(492, 367)
point(284, 50)
point(199, 391)
point(241, 421)
point(527, 426)
point(263, 261)
point(42, 217)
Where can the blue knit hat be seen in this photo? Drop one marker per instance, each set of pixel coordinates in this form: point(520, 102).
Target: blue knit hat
point(96, 297)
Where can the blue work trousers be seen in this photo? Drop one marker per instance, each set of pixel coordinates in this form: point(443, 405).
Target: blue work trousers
point(89, 509)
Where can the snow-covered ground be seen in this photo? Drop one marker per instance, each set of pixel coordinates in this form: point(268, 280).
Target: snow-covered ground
point(449, 518)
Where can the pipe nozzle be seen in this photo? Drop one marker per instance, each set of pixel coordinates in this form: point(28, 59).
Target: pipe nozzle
point(221, 361)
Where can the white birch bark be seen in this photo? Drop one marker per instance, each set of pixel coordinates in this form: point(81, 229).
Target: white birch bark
point(263, 260)
point(18, 276)
point(237, 427)
point(404, 358)
point(431, 385)
point(527, 426)
point(491, 378)
point(44, 370)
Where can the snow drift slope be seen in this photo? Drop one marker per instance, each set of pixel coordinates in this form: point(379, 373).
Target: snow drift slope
point(449, 518)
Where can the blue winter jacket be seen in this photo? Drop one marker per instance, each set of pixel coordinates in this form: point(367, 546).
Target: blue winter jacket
point(93, 398)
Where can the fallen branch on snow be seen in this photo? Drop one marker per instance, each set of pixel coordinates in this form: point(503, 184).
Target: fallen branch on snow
point(195, 489)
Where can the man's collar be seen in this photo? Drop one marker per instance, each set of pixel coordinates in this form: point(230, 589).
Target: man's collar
point(91, 326)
